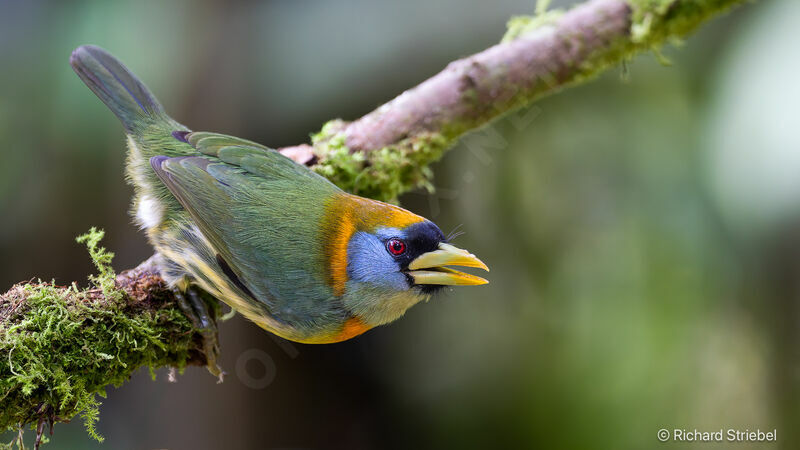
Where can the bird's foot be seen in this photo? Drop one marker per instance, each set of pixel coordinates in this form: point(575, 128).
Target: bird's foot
point(203, 315)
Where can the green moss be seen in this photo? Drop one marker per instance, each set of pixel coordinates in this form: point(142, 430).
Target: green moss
point(382, 174)
point(61, 346)
point(655, 20)
point(102, 261)
point(652, 21)
point(519, 25)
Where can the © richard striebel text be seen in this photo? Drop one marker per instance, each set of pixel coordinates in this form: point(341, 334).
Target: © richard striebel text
point(730, 435)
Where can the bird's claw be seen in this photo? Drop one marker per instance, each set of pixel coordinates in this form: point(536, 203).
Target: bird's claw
point(203, 316)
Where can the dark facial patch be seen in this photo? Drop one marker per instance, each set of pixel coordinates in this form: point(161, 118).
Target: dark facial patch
point(422, 237)
point(419, 238)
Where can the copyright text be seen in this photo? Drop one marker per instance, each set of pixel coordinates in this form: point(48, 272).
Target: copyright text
point(721, 435)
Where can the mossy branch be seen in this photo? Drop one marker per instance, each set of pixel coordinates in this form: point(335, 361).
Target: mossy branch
point(388, 151)
point(60, 346)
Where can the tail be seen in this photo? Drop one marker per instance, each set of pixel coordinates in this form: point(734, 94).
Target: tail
point(117, 87)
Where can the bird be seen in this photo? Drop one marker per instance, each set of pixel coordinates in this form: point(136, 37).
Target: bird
point(275, 241)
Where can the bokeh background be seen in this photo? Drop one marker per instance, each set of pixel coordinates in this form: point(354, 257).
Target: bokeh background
point(643, 230)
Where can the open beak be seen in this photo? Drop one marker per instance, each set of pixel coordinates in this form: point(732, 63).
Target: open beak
point(429, 268)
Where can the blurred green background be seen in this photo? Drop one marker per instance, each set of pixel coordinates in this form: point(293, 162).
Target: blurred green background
point(643, 230)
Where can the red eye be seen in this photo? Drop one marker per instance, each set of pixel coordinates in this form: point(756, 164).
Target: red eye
point(396, 246)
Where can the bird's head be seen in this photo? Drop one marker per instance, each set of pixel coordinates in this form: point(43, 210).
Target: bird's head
point(414, 257)
point(390, 259)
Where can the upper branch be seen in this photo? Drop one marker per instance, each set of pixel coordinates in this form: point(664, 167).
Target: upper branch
point(474, 90)
point(540, 55)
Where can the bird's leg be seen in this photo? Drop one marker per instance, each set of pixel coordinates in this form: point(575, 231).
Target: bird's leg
point(202, 313)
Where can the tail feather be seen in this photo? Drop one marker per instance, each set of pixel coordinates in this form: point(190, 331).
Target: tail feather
point(126, 96)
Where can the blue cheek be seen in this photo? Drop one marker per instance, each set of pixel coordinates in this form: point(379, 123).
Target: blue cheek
point(369, 262)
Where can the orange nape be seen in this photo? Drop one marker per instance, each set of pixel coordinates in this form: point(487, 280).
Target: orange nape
point(344, 215)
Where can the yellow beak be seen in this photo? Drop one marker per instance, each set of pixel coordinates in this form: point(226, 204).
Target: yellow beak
point(428, 268)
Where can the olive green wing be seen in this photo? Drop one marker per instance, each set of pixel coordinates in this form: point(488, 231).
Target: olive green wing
point(261, 212)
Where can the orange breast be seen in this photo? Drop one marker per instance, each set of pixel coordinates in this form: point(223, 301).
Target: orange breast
point(352, 328)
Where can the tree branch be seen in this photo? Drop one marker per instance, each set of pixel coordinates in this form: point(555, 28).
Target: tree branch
point(387, 152)
point(60, 346)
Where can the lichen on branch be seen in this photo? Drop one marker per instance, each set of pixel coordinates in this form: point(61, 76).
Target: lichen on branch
point(381, 174)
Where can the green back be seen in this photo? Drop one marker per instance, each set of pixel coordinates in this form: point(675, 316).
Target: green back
point(261, 211)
